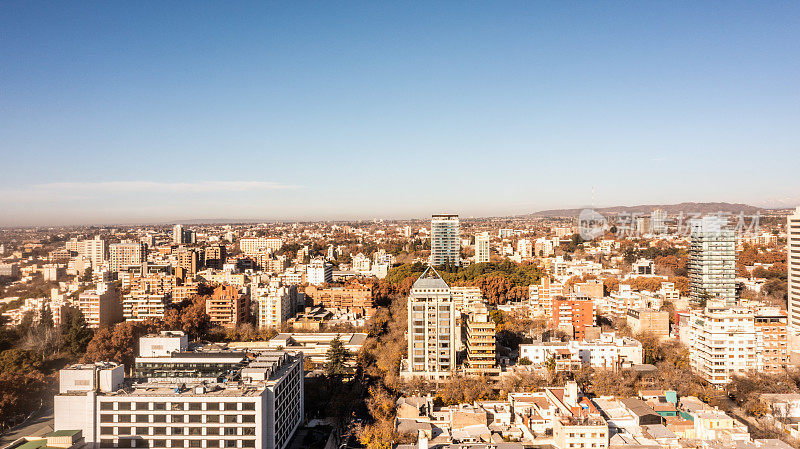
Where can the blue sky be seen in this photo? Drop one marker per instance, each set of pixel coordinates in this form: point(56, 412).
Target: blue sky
point(119, 112)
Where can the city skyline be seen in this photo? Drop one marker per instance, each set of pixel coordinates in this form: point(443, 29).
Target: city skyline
point(208, 111)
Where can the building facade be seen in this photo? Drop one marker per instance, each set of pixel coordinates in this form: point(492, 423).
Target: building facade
point(445, 240)
point(712, 260)
point(482, 247)
point(793, 263)
point(431, 328)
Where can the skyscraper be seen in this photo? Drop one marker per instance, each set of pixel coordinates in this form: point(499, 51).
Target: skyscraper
point(445, 243)
point(482, 247)
point(793, 262)
point(177, 234)
point(712, 260)
point(431, 328)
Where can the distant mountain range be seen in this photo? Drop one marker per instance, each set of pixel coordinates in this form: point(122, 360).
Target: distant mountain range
point(671, 209)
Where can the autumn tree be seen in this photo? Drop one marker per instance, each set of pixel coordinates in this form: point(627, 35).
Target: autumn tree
point(336, 359)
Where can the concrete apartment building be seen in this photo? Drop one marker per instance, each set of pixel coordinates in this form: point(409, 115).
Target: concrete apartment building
point(793, 263)
point(123, 254)
point(541, 296)
point(100, 307)
point(482, 247)
point(227, 306)
point(276, 304)
point(319, 272)
point(139, 306)
point(250, 246)
point(431, 329)
point(93, 250)
point(608, 352)
point(445, 240)
point(722, 342)
point(772, 334)
point(464, 298)
point(347, 297)
point(712, 260)
point(573, 315)
point(481, 343)
point(201, 399)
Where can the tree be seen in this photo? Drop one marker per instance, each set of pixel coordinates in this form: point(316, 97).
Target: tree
point(46, 318)
point(337, 357)
point(75, 335)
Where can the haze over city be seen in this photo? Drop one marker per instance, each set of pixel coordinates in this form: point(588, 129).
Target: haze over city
point(150, 112)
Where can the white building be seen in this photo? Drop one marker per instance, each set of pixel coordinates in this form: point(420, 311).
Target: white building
point(722, 342)
point(259, 405)
point(431, 329)
point(793, 262)
point(123, 254)
point(276, 304)
point(465, 297)
point(482, 247)
point(319, 272)
point(609, 352)
point(250, 246)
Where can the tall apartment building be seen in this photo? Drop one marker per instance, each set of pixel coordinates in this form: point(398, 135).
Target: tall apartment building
point(94, 250)
point(253, 245)
point(482, 247)
point(100, 307)
point(215, 256)
point(227, 306)
point(123, 254)
point(793, 262)
point(187, 262)
point(525, 248)
point(445, 240)
point(712, 260)
point(722, 342)
point(139, 305)
point(177, 234)
point(481, 343)
point(319, 272)
point(431, 328)
point(573, 315)
point(276, 304)
point(773, 339)
point(197, 400)
point(541, 296)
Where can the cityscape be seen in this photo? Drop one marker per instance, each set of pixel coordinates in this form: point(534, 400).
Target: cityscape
point(399, 226)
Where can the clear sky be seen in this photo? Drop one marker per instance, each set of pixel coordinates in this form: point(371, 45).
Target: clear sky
point(120, 112)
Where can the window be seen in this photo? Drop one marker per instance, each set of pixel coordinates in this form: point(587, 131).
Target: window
point(193, 430)
point(248, 406)
point(142, 431)
point(159, 443)
point(123, 405)
point(141, 418)
point(159, 430)
point(159, 418)
point(159, 406)
point(177, 443)
point(195, 443)
point(248, 443)
point(106, 418)
point(123, 431)
point(212, 418)
point(231, 406)
point(106, 406)
point(248, 418)
point(248, 430)
point(176, 431)
point(230, 443)
point(195, 406)
point(212, 443)
point(230, 419)
point(230, 431)
point(106, 430)
point(195, 418)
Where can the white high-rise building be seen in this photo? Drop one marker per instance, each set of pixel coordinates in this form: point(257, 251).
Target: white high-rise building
point(431, 329)
point(177, 234)
point(793, 262)
point(122, 254)
point(712, 260)
point(319, 272)
point(445, 241)
point(93, 250)
point(525, 248)
point(722, 342)
point(276, 304)
point(482, 247)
